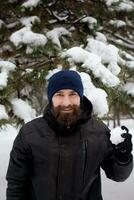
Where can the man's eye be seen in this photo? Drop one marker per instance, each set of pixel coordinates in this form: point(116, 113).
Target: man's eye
point(59, 94)
point(73, 94)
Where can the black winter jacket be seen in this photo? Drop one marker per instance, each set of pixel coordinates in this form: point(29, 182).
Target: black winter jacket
point(49, 162)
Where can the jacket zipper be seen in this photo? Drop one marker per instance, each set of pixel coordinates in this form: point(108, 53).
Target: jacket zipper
point(59, 169)
point(85, 144)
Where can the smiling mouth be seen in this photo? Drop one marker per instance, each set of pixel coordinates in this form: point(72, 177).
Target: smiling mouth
point(67, 110)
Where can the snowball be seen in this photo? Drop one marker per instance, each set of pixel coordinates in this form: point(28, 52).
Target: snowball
point(116, 135)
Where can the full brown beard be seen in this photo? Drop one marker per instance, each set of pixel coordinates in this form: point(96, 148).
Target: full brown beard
point(66, 119)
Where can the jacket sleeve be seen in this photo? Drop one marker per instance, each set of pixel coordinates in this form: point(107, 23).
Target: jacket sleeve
point(18, 173)
point(113, 169)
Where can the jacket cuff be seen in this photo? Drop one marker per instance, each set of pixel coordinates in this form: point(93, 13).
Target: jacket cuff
point(124, 162)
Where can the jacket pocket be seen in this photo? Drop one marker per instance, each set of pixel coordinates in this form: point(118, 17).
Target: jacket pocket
point(85, 155)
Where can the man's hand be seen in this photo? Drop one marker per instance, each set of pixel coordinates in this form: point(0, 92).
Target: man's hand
point(123, 150)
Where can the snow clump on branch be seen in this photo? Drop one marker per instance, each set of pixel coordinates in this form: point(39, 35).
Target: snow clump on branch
point(92, 62)
point(97, 96)
point(3, 113)
point(5, 68)
point(29, 21)
point(23, 110)
point(91, 21)
point(108, 53)
point(56, 34)
point(31, 4)
point(29, 38)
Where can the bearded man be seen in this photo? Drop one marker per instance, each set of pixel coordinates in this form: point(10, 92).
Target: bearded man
point(59, 156)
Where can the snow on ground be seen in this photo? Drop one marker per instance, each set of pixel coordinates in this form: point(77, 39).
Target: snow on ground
point(111, 190)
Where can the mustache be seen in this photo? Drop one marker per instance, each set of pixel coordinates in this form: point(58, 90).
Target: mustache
point(65, 107)
point(67, 118)
point(69, 107)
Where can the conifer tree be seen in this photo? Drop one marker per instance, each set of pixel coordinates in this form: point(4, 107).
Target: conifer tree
point(35, 36)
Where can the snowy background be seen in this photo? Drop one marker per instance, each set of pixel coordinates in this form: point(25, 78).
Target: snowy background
point(105, 56)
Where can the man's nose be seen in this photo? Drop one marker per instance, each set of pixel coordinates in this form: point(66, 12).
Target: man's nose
point(66, 101)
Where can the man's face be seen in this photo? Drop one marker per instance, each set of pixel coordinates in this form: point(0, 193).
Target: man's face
point(66, 106)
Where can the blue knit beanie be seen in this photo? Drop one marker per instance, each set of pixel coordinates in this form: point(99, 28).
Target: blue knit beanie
point(65, 79)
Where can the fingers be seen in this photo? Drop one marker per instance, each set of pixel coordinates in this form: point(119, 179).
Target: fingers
point(126, 145)
point(126, 135)
point(121, 146)
point(125, 128)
